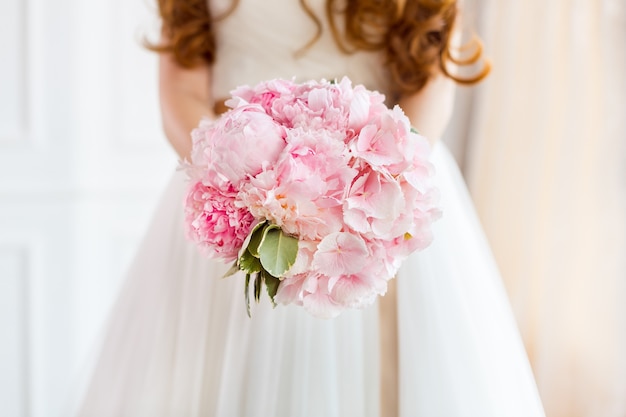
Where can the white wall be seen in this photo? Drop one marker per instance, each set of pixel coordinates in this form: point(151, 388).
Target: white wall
point(82, 160)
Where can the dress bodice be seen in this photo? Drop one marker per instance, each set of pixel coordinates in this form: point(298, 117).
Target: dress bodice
point(260, 40)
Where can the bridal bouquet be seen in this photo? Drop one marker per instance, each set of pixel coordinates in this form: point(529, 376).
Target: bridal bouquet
point(317, 190)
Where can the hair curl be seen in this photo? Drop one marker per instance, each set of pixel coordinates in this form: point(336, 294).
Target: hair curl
point(187, 28)
point(414, 35)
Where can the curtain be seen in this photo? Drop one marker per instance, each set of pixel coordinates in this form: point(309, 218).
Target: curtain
point(545, 160)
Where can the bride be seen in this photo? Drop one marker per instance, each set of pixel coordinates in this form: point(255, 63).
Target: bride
point(442, 342)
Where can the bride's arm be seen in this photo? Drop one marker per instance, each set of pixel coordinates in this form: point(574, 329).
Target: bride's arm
point(430, 108)
point(185, 97)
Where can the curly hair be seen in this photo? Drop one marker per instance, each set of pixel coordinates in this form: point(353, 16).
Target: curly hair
point(414, 35)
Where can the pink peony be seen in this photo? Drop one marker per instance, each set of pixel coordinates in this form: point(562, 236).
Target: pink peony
point(374, 206)
point(303, 192)
point(387, 142)
point(264, 93)
point(214, 223)
point(232, 149)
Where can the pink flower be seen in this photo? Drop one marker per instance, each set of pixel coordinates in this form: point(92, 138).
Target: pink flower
point(374, 206)
point(388, 144)
point(422, 211)
point(340, 253)
point(265, 93)
point(202, 138)
point(290, 290)
point(214, 223)
point(304, 260)
point(357, 290)
point(233, 150)
point(312, 292)
point(320, 303)
point(320, 105)
point(420, 171)
point(303, 192)
point(328, 163)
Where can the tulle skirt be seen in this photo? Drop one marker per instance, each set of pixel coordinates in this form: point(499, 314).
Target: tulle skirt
point(179, 342)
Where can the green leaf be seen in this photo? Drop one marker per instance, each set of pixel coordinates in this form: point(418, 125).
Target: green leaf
point(247, 294)
point(249, 263)
point(271, 283)
point(233, 270)
point(277, 251)
point(256, 235)
point(414, 130)
point(257, 287)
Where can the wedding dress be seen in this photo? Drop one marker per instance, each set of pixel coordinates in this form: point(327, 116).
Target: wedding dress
point(180, 344)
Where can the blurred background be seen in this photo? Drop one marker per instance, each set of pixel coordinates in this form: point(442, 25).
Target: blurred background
point(82, 162)
point(544, 156)
point(542, 144)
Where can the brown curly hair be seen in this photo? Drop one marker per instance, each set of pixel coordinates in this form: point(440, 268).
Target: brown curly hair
point(414, 35)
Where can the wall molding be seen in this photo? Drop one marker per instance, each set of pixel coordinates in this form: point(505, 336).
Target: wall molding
point(14, 75)
point(15, 303)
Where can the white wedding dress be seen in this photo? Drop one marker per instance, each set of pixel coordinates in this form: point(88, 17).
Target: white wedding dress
point(180, 344)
